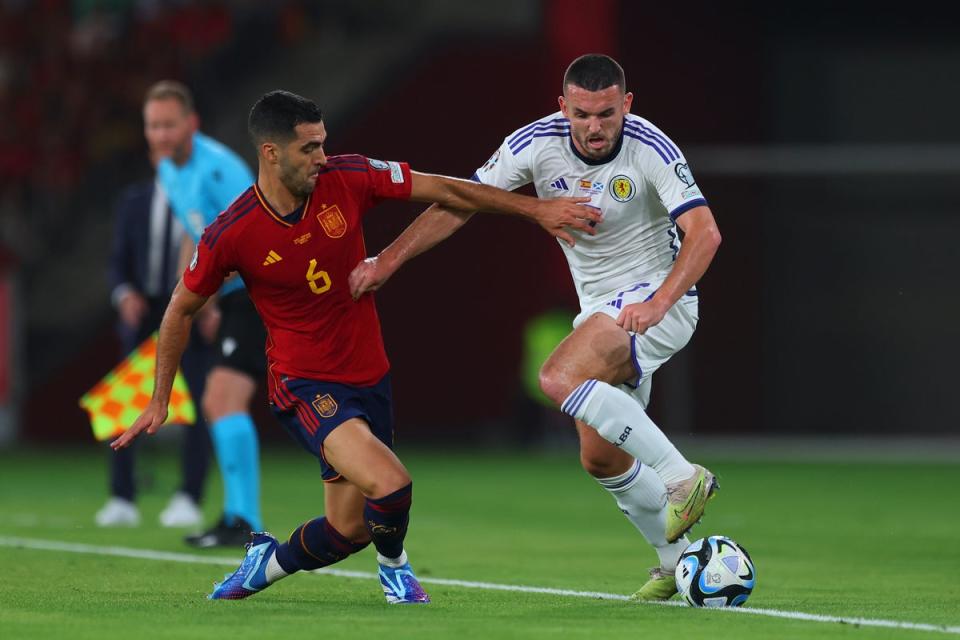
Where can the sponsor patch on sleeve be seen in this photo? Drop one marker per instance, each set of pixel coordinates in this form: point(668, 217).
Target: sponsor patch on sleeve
point(693, 192)
point(489, 164)
point(684, 174)
point(396, 173)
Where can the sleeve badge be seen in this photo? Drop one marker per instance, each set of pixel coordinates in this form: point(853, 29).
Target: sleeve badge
point(684, 174)
point(489, 164)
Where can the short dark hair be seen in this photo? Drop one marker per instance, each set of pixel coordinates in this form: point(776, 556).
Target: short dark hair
point(170, 90)
point(274, 116)
point(594, 72)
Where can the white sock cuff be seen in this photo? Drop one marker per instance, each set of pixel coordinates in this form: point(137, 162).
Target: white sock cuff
point(624, 481)
point(670, 553)
point(274, 571)
point(395, 563)
point(577, 400)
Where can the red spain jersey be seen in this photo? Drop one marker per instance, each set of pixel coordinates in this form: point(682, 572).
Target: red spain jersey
point(296, 271)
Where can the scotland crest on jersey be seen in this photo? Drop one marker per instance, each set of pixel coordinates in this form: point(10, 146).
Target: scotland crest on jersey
point(622, 188)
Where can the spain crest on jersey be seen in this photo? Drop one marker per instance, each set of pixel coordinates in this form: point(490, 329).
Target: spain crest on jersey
point(332, 221)
point(325, 405)
point(622, 188)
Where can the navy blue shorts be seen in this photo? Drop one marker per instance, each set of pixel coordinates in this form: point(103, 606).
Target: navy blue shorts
point(310, 409)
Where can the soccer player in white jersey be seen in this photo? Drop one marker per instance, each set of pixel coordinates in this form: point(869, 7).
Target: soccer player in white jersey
point(636, 283)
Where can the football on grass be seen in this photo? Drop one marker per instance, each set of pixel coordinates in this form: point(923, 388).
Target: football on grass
point(715, 572)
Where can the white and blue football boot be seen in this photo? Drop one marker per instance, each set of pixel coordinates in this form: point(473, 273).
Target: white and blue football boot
point(401, 586)
point(251, 577)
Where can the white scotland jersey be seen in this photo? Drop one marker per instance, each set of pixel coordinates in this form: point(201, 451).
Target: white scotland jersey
point(641, 190)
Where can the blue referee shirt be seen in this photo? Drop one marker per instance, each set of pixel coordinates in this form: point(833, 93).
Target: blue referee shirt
point(206, 185)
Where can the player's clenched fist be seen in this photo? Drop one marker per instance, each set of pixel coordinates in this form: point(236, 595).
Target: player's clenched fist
point(367, 276)
point(639, 317)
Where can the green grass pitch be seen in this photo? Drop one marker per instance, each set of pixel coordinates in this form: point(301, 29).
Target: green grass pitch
point(856, 540)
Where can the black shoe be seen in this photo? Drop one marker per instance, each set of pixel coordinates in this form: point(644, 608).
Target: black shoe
point(222, 534)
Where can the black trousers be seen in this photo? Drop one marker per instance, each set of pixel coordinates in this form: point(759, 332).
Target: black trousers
point(195, 447)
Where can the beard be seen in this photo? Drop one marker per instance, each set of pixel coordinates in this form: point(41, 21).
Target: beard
point(299, 185)
point(601, 152)
point(611, 141)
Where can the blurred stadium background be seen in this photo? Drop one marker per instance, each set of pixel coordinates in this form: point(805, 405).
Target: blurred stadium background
point(825, 139)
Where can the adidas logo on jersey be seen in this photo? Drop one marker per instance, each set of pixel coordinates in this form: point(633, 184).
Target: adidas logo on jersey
point(559, 184)
point(271, 258)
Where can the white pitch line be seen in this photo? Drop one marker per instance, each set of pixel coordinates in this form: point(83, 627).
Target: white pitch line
point(148, 554)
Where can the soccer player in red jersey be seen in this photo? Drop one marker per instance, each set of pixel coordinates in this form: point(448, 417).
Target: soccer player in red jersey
point(294, 237)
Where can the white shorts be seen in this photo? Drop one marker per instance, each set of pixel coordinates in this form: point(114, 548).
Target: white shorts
point(660, 342)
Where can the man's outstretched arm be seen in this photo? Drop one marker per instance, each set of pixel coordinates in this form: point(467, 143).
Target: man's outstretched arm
point(174, 334)
point(554, 215)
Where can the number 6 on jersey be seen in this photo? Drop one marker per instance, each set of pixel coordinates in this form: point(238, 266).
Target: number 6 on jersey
point(313, 276)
